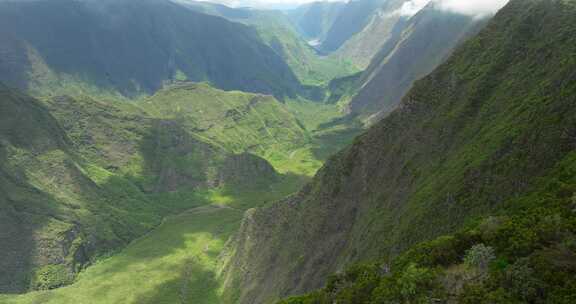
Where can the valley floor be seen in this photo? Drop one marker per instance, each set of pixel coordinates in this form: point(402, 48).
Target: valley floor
point(174, 263)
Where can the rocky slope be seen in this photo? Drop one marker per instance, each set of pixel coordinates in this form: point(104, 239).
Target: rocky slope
point(486, 127)
point(100, 47)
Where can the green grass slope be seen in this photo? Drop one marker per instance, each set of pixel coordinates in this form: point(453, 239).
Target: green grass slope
point(81, 178)
point(237, 121)
point(295, 136)
point(174, 263)
point(311, 68)
point(488, 130)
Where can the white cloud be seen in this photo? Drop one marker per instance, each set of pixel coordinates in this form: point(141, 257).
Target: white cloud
point(411, 8)
point(476, 8)
point(473, 7)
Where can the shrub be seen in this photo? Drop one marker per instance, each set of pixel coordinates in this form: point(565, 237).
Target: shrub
point(479, 258)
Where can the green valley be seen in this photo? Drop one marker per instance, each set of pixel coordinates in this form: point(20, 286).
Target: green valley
point(287, 151)
point(172, 264)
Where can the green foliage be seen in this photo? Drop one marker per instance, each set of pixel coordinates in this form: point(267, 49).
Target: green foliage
point(479, 257)
point(524, 255)
point(177, 261)
point(417, 285)
point(50, 277)
point(89, 176)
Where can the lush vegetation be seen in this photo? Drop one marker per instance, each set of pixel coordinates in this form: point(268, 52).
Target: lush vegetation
point(490, 126)
point(95, 174)
point(523, 254)
point(176, 261)
point(465, 194)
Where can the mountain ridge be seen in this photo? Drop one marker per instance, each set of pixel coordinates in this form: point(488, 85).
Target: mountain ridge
point(467, 139)
point(111, 40)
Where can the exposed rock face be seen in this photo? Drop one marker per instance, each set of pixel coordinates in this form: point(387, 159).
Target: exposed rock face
point(474, 134)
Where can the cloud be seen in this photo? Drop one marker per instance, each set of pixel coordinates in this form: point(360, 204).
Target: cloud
point(472, 7)
point(477, 8)
point(411, 8)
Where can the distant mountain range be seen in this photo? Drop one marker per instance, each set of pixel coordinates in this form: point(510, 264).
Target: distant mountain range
point(131, 48)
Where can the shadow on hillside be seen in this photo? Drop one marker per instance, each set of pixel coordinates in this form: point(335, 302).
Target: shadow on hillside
point(173, 158)
point(16, 238)
point(330, 143)
point(263, 194)
point(24, 209)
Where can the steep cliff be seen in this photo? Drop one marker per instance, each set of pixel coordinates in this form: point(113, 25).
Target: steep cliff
point(484, 128)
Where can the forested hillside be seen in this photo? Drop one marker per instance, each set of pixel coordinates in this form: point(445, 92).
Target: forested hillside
point(490, 132)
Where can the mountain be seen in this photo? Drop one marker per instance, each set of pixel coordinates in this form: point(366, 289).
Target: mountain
point(489, 133)
point(131, 48)
point(416, 46)
point(237, 121)
point(277, 31)
point(81, 178)
point(379, 27)
point(351, 20)
point(314, 20)
point(352, 31)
